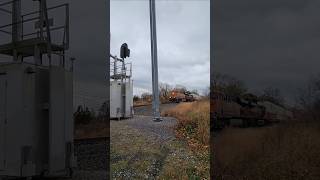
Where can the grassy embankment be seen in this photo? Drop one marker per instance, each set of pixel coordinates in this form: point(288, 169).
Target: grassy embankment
point(285, 151)
point(193, 122)
point(194, 128)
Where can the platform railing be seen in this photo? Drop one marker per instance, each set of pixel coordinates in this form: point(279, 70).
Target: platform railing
point(35, 33)
point(127, 72)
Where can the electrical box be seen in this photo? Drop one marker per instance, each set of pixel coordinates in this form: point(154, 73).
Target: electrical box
point(121, 87)
point(129, 99)
point(36, 121)
point(121, 100)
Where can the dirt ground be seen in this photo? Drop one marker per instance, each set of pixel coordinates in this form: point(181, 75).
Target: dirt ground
point(143, 149)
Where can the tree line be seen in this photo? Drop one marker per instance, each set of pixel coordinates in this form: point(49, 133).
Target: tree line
point(85, 115)
point(164, 92)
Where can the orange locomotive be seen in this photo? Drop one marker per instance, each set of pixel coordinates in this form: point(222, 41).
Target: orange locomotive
point(179, 96)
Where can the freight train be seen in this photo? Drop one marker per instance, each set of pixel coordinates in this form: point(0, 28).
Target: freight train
point(244, 111)
point(179, 96)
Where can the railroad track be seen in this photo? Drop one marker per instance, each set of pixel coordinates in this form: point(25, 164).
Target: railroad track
point(92, 153)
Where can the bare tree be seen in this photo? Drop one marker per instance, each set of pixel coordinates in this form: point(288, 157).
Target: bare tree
point(164, 90)
point(83, 115)
point(103, 111)
point(228, 84)
point(136, 98)
point(146, 96)
point(206, 92)
point(273, 95)
point(180, 88)
point(309, 99)
point(196, 91)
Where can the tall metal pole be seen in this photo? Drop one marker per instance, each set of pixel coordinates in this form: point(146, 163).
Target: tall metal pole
point(154, 62)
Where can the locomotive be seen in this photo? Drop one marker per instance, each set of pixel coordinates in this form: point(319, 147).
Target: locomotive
point(244, 111)
point(181, 96)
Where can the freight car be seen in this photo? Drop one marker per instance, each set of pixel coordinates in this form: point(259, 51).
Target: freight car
point(245, 111)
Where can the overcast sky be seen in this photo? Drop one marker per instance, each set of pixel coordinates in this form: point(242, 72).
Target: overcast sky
point(183, 43)
point(264, 43)
point(183, 35)
point(268, 43)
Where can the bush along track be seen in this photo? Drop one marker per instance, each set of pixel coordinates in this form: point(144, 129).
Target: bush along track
point(193, 123)
point(193, 127)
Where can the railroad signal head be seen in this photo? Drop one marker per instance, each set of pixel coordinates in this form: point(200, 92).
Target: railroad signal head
point(124, 51)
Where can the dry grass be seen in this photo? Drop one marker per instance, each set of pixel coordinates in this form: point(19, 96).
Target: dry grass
point(281, 152)
point(148, 103)
point(91, 130)
point(137, 156)
point(193, 122)
point(141, 103)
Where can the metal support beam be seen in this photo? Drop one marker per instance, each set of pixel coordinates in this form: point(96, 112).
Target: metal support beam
point(6, 11)
point(6, 32)
point(37, 55)
point(154, 60)
point(123, 89)
point(16, 21)
point(17, 26)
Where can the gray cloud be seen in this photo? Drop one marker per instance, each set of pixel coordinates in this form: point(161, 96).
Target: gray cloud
point(267, 43)
point(183, 36)
point(183, 43)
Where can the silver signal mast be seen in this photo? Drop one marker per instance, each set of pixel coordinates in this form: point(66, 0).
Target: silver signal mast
point(154, 61)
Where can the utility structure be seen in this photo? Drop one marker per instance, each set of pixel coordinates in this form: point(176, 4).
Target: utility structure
point(154, 62)
point(121, 85)
point(36, 93)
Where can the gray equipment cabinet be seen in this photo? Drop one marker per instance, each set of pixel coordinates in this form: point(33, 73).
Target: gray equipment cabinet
point(121, 89)
point(36, 136)
point(36, 99)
